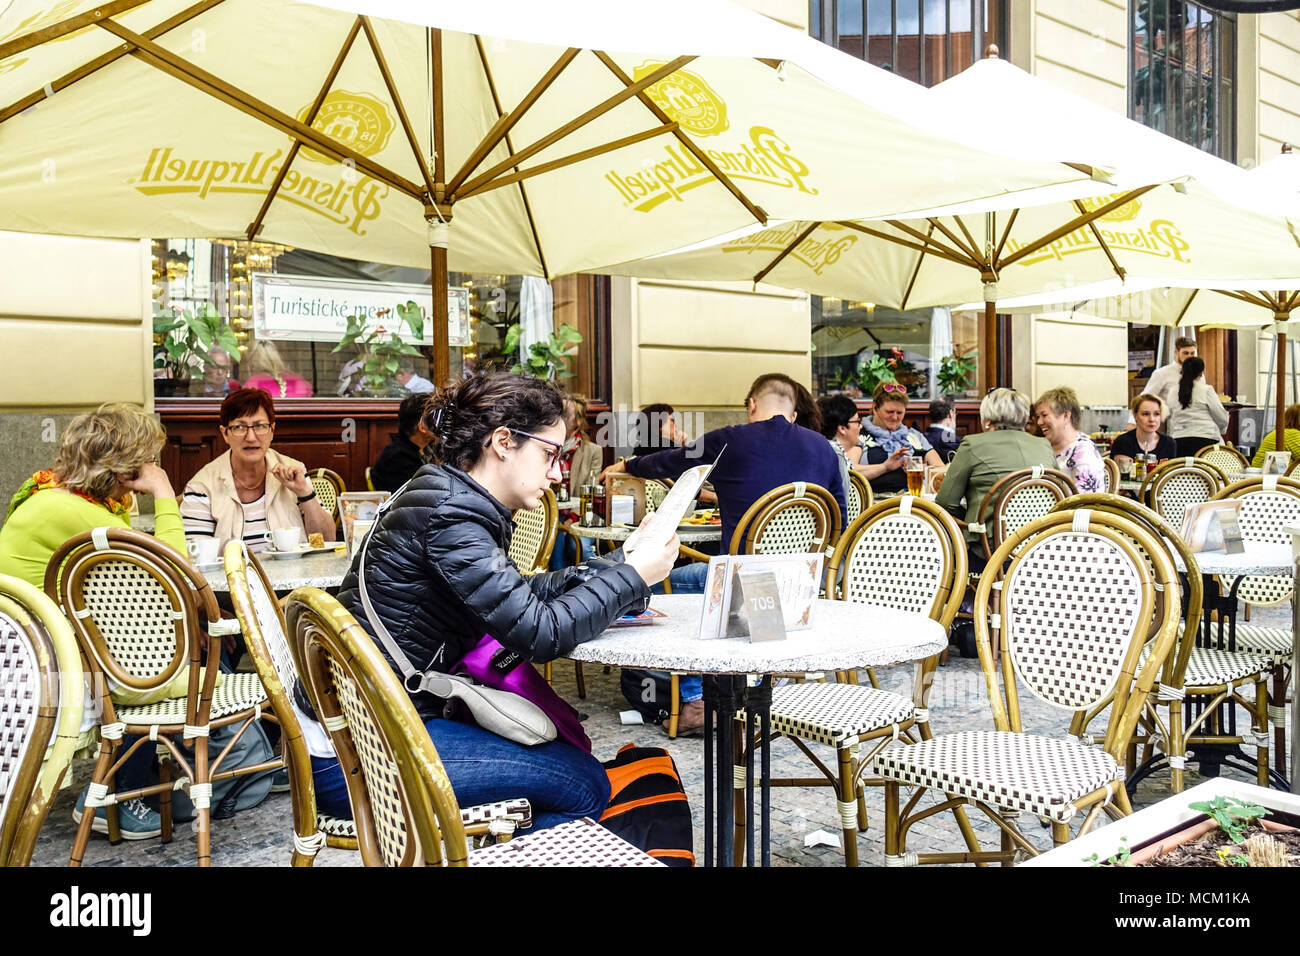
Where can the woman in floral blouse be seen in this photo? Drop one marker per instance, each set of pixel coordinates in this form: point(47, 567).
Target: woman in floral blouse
point(1059, 414)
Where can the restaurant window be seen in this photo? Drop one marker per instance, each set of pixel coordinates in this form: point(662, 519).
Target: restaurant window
point(1183, 60)
point(924, 40)
point(230, 312)
point(856, 345)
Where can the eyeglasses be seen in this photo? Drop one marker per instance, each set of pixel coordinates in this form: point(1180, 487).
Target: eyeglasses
point(556, 447)
point(259, 429)
point(854, 421)
point(893, 388)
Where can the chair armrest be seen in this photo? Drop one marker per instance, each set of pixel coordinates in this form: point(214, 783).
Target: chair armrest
point(689, 552)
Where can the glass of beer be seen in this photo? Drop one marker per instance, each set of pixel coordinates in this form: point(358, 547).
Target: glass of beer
point(915, 468)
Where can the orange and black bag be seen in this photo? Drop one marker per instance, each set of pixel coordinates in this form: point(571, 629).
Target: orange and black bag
point(647, 805)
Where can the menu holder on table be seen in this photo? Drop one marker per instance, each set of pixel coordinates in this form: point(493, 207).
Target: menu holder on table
point(357, 506)
point(1276, 462)
point(621, 486)
point(790, 580)
point(1212, 526)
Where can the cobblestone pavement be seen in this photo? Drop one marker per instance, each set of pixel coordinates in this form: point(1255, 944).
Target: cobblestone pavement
point(263, 836)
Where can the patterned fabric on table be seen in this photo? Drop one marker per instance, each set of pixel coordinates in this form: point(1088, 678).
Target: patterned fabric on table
point(576, 843)
point(1012, 771)
point(831, 713)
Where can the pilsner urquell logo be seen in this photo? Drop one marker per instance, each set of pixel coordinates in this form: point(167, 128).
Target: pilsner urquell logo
point(688, 100)
point(816, 254)
point(343, 195)
point(56, 13)
point(1159, 237)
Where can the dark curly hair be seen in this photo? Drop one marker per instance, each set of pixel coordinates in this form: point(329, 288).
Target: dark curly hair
point(836, 411)
point(465, 414)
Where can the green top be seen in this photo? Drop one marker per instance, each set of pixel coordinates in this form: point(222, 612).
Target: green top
point(1269, 443)
point(44, 521)
point(984, 458)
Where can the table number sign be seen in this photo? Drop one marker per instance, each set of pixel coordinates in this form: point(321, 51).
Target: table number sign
point(1212, 526)
point(797, 579)
point(755, 610)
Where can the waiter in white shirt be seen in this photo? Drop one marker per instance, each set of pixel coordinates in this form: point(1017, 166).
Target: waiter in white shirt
point(1164, 380)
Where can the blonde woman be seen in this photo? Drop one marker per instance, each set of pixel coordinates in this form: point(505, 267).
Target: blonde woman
point(1291, 421)
point(271, 375)
point(1059, 414)
point(1149, 411)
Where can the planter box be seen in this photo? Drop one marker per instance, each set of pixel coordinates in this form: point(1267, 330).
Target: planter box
point(1160, 820)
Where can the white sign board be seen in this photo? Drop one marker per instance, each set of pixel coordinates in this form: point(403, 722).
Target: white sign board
point(314, 309)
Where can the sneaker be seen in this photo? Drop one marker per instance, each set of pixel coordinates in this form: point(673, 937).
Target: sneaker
point(280, 782)
point(135, 820)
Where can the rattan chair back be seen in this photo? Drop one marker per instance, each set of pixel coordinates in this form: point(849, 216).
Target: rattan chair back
point(370, 481)
point(904, 553)
point(40, 704)
point(138, 608)
point(1226, 458)
point(1268, 504)
point(1072, 610)
point(534, 535)
point(328, 486)
point(793, 519)
point(402, 803)
point(1016, 499)
point(655, 492)
point(857, 495)
point(1111, 476)
point(1180, 482)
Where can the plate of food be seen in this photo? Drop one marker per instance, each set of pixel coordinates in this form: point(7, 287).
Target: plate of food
point(315, 544)
point(702, 518)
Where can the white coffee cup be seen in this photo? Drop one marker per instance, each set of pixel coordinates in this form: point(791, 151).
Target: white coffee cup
point(204, 550)
point(286, 539)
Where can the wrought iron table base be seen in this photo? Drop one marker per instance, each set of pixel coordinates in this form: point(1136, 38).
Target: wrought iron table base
point(724, 696)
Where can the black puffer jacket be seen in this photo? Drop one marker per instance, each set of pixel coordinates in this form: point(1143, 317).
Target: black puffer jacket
point(439, 577)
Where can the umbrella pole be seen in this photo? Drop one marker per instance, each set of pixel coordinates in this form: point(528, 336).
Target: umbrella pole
point(1280, 440)
point(990, 347)
point(439, 217)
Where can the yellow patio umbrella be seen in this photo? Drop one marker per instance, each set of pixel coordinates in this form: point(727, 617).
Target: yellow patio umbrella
point(497, 135)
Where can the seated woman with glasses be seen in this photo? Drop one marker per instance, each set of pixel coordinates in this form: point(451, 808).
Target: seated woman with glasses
point(889, 442)
point(252, 490)
point(438, 577)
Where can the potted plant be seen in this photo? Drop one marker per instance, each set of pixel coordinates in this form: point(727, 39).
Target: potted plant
point(876, 371)
point(955, 374)
point(1217, 805)
point(183, 342)
point(380, 352)
point(547, 359)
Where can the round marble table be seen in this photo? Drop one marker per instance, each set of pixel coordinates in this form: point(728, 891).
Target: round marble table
point(323, 571)
point(692, 534)
point(843, 636)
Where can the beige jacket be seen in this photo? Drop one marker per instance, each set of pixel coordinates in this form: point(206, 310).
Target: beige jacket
point(216, 482)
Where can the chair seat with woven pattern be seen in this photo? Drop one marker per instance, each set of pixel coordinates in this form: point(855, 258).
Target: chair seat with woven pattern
point(237, 692)
point(1274, 642)
point(1013, 771)
point(518, 812)
point(1211, 667)
point(576, 843)
point(832, 713)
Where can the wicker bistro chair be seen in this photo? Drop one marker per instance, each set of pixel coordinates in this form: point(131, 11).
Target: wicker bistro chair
point(41, 695)
point(404, 808)
point(655, 492)
point(534, 535)
point(1180, 482)
point(1075, 602)
point(370, 482)
point(1016, 499)
point(1213, 674)
point(142, 616)
point(328, 486)
point(904, 553)
point(791, 519)
point(1226, 458)
point(262, 623)
point(1111, 477)
point(857, 495)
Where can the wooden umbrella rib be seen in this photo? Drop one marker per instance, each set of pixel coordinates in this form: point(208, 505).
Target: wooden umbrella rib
point(959, 254)
point(506, 121)
point(911, 282)
point(933, 248)
point(1006, 234)
point(1096, 234)
point(759, 276)
point(1075, 223)
point(103, 60)
point(971, 243)
point(382, 62)
point(65, 27)
point(256, 225)
point(690, 144)
point(1250, 297)
point(522, 174)
point(523, 193)
point(1186, 305)
point(206, 82)
point(580, 121)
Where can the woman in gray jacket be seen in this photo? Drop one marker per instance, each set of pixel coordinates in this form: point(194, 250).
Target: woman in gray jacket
point(1197, 418)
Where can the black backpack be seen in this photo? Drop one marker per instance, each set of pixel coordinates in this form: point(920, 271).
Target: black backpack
point(649, 693)
point(647, 805)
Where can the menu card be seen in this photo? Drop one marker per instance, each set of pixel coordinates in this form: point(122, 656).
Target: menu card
point(664, 520)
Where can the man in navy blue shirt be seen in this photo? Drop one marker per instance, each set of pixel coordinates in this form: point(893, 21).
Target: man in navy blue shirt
point(769, 451)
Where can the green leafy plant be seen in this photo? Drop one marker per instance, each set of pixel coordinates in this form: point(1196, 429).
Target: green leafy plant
point(1120, 858)
point(1232, 815)
point(954, 375)
point(379, 350)
point(547, 359)
point(185, 340)
point(878, 370)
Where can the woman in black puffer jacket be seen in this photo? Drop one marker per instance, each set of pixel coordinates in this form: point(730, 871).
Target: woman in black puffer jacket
point(439, 577)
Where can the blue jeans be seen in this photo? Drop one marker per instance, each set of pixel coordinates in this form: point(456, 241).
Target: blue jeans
point(688, 579)
point(560, 781)
point(562, 556)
